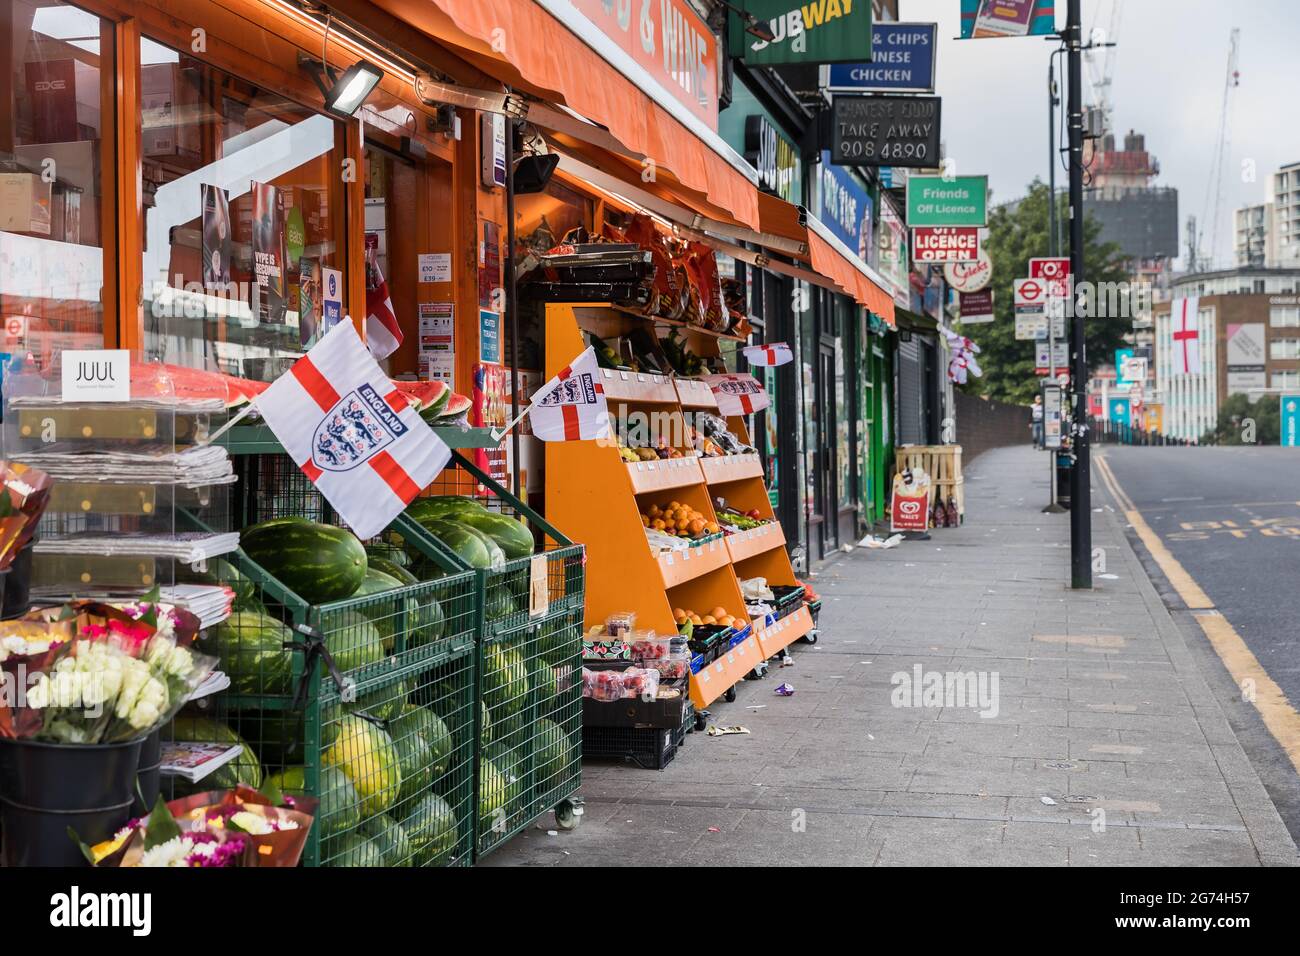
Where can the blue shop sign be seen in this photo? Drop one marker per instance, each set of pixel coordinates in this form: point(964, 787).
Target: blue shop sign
point(902, 61)
point(844, 207)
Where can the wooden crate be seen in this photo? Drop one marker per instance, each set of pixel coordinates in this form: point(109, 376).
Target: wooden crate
point(942, 463)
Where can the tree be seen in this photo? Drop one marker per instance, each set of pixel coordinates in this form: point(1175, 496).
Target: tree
point(1243, 422)
point(1016, 234)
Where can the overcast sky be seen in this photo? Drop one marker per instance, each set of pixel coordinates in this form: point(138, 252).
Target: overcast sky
point(1167, 83)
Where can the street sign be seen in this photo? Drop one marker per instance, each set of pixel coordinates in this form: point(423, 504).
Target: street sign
point(969, 276)
point(1007, 18)
point(1052, 414)
point(1119, 412)
point(952, 201)
point(946, 244)
point(902, 61)
point(1030, 326)
point(1060, 356)
point(976, 307)
point(887, 130)
point(812, 33)
point(1031, 292)
point(1133, 369)
point(1291, 420)
point(1049, 267)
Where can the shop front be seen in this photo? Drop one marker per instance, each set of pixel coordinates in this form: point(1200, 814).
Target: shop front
point(218, 188)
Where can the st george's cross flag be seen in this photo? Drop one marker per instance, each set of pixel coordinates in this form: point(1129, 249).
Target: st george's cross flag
point(350, 430)
point(738, 394)
point(778, 353)
point(1185, 335)
point(383, 334)
point(571, 406)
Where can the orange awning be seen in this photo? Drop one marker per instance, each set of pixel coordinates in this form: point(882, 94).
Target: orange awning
point(526, 40)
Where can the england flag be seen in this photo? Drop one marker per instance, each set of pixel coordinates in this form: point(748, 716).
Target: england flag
point(571, 406)
point(383, 334)
point(1186, 336)
point(738, 394)
point(352, 432)
point(778, 353)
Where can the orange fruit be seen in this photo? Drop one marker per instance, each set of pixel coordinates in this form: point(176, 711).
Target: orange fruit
point(654, 511)
point(658, 524)
point(645, 521)
point(674, 505)
point(729, 621)
point(709, 619)
point(678, 612)
point(719, 611)
point(712, 527)
point(696, 526)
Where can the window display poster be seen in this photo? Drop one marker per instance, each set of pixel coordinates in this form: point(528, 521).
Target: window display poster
point(489, 409)
point(438, 342)
point(331, 298)
point(309, 299)
point(269, 255)
point(217, 243)
point(489, 335)
point(435, 266)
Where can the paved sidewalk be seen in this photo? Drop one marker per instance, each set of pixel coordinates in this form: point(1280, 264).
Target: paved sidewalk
point(1107, 747)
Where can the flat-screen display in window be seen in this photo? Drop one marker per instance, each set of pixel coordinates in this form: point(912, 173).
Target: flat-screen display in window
point(243, 238)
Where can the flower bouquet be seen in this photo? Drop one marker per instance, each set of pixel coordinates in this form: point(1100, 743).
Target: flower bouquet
point(25, 496)
point(93, 673)
point(239, 827)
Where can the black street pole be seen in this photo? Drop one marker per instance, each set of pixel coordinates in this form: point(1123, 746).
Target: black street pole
point(512, 307)
point(1052, 157)
point(1080, 474)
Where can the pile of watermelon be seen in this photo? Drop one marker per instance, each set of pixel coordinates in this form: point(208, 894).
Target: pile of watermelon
point(482, 538)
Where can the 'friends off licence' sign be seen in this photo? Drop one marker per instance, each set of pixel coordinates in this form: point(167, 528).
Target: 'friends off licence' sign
point(885, 130)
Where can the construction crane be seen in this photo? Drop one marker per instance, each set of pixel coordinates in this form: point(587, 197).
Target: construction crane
point(1101, 66)
point(1214, 185)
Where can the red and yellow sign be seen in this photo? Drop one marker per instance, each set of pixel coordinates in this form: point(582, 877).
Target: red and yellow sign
point(670, 40)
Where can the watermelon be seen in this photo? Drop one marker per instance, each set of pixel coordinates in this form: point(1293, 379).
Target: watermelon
point(510, 764)
point(463, 540)
point(493, 812)
point(245, 768)
point(386, 550)
point(387, 834)
point(355, 644)
point(443, 506)
point(433, 625)
point(552, 756)
point(413, 732)
point(512, 537)
point(431, 826)
point(385, 614)
point(505, 680)
point(392, 569)
point(251, 649)
point(496, 557)
point(368, 757)
point(339, 808)
point(352, 849)
point(456, 406)
point(548, 686)
point(425, 396)
point(383, 703)
point(318, 562)
point(498, 604)
point(558, 642)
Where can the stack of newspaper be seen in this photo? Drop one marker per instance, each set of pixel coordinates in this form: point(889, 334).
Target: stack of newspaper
point(192, 466)
point(190, 547)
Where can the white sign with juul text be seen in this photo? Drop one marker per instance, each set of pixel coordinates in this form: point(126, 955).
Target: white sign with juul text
point(96, 375)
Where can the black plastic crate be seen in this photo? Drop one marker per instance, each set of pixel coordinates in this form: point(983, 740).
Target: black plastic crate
point(648, 748)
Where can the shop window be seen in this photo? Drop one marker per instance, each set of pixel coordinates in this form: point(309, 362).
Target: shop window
point(542, 219)
point(244, 226)
point(55, 62)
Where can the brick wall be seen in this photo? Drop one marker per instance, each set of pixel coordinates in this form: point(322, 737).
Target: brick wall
point(983, 424)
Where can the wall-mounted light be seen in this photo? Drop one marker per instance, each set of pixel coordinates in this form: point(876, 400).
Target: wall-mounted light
point(343, 93)
point(753, 25)
point(532, 173)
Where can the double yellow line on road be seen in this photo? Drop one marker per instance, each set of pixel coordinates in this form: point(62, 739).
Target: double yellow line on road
point(1279, 716)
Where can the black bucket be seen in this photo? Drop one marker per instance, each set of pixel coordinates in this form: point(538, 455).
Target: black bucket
point(47, 788)
point(149, 776)
point(18, 585)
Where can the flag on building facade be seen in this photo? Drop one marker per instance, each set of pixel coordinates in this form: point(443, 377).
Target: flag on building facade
point(1185, 336)
point(738, 394)
point(352, 432)
point(571, 406)
point(383, 334)
point(772, 355)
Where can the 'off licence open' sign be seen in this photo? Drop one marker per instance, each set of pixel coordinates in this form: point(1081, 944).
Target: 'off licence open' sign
point(946, 244)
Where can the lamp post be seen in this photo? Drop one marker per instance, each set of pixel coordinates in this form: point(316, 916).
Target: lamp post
point(1080, 474)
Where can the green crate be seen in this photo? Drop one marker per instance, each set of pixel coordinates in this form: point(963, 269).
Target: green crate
point(530, 741)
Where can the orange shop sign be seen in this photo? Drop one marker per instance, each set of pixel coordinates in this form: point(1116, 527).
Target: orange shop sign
point(671, 41)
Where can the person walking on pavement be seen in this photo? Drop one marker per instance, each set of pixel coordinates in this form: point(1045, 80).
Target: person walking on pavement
point(1036, 421)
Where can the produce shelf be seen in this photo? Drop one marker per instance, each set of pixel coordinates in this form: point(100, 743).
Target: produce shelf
point(772, 639)
point(718, 677)
point(648, 476)
point(622, 386)
point(718, 471)
point(678, 567)
point(695, 393)
point(746, 544)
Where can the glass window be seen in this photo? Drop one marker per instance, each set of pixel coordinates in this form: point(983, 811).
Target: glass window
point(54, 164)
point(1286, 380)
point(1284, 349)
point(1284, 317)
point(243, 218)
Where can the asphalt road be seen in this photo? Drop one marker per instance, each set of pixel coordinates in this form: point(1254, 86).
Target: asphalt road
point(1231, 516)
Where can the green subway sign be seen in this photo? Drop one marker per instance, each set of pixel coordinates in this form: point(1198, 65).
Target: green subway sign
point(959, 201)
point(815, 31)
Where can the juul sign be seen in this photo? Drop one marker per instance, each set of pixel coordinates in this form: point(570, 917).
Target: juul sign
point(96, 375)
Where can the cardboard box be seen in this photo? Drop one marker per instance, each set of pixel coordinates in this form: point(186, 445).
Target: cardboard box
point(24, 203)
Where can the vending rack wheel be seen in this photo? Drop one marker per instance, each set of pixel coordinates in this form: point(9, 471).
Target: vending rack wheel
point(811, 636)
point(730, 695)
point(701, 720)
point(568, 814)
